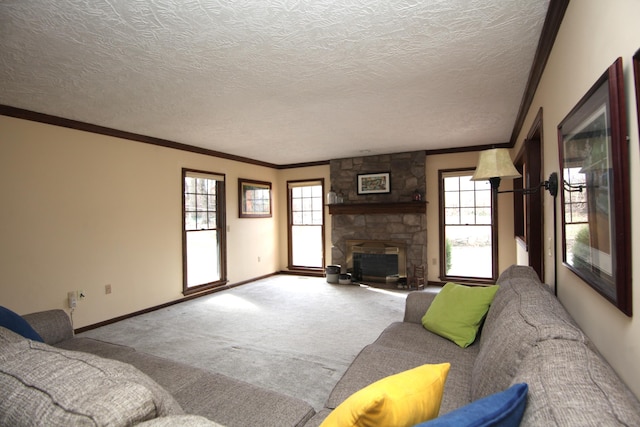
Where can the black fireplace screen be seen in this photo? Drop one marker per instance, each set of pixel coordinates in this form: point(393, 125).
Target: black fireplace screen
point(376, 260)
point(367, 266)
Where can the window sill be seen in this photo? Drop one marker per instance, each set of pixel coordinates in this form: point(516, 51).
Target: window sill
point(204, 288)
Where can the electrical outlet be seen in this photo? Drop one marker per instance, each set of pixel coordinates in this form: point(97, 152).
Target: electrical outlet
point(107, 289)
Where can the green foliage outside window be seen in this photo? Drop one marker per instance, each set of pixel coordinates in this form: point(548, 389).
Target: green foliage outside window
point(447, 254)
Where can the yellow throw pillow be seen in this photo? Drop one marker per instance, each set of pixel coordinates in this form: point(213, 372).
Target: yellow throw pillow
point(404, 399)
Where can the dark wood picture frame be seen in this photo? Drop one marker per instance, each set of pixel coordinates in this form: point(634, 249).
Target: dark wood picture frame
point(594, 163)
point(374, 183)
point(636, 72)
point(254, 198)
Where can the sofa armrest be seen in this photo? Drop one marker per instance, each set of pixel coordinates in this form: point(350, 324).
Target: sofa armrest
point(416, 305)
point(53, 326)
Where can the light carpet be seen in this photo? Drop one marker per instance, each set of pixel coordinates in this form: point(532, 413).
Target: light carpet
point(293, 334)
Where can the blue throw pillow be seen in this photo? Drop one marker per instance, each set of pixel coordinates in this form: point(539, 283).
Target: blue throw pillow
point(17, 324)
point(504, 409)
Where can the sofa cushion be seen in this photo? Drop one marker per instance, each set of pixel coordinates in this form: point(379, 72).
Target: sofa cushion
point(530, 315)
point(225, 400)
point(410, 343)
point(570, 385)
point(457, 312)
point(15, 323)
point(377, 361)
point(514, 277)
point(399, 400)
point(415, 338)
point(97, 347)
point(234, 403)
point(7, 336)
point(180, 420)
point(43, 385)
point(222, 399)
point(503, 409)
point(318, 418)
point(416, 305)
point(53, 326)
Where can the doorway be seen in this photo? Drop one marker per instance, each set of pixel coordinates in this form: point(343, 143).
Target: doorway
point(529, 208)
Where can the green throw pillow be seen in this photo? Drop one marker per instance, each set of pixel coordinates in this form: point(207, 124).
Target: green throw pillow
point(457, 312)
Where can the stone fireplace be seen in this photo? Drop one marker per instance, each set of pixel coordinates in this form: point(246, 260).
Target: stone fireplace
point(391, 220)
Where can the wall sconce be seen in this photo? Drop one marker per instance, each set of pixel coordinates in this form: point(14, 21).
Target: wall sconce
point(495, 164)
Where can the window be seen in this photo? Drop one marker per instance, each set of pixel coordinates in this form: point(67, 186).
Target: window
point(306, 225)
point(204, 249)
point(467, 232)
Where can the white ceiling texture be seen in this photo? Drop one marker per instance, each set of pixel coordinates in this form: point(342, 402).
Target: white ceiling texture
point(279, 81)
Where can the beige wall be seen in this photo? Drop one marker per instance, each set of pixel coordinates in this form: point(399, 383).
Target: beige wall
point(86, 210)
point(434, 164)
point(81, 210)
point(592, 35)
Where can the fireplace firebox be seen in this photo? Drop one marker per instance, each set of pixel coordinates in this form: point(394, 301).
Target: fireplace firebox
point(376, 260)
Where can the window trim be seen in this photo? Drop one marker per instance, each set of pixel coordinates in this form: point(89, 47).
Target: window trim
point(290, 266)
point(441, 222)
point(221, 227)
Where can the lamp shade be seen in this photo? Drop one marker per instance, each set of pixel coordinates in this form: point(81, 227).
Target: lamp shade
point(495, 163)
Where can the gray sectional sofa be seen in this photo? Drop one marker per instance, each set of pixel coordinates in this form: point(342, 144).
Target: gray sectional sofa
point(184, 389)
point(527, 337)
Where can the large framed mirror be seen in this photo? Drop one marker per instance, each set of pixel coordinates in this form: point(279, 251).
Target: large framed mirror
point(595, 199)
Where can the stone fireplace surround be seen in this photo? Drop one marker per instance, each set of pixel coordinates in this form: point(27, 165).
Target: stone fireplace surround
point(380, 217)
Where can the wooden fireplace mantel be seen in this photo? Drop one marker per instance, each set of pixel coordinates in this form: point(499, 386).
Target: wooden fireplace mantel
point(378, 208)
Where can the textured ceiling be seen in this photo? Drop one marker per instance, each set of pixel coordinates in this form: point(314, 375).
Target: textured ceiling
point(281, 81)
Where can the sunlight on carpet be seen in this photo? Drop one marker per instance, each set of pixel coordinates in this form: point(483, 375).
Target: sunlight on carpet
point(232, 301)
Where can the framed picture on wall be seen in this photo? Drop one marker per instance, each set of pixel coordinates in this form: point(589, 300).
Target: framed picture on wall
point(374, 183)
point(594, 163)
point(636, 72)
point(254, 198)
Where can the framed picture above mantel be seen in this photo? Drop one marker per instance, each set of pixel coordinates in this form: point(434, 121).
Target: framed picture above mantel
point(374, 183)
